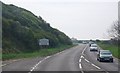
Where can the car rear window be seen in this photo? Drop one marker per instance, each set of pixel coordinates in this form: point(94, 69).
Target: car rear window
point(93, 45)
point(106, 53)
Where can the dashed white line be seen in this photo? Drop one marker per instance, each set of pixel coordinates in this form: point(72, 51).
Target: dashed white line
point(95, 66)
point(79, 60)
point(84, 50)
point(80, 66)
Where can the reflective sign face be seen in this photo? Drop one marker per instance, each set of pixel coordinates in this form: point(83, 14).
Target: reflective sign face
point(44, 42)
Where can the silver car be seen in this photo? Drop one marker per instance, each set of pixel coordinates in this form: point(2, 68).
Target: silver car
point(105, 55)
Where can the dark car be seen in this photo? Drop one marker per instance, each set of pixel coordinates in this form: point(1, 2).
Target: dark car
point(104, 55)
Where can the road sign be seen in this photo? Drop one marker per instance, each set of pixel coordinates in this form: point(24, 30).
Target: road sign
point(43, 41)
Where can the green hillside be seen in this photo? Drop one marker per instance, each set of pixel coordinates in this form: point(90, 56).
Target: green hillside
point(21, 31)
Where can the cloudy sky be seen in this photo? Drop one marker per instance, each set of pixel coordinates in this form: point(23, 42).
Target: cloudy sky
point(81, 19)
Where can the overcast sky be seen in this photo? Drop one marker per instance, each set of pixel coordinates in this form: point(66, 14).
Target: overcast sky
point(81, 19)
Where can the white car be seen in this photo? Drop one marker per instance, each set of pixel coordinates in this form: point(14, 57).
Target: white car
point(93, 47)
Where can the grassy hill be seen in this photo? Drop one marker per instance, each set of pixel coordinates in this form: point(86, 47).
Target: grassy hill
point(21, 31)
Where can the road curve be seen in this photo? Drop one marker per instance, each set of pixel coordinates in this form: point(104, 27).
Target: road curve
point(77, 58)
point(67, 60)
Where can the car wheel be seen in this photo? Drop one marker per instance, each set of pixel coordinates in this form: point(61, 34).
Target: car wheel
point(111, 61)
point(98, 59)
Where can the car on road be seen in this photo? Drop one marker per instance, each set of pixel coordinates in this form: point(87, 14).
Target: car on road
point(90, 43)
point(84, 42)
point(93, 47)
point(104, 55)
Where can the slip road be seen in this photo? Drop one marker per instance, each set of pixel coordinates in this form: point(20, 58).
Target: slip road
point(77, 58)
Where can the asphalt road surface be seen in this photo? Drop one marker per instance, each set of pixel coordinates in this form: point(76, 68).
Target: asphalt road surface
point(76, 59)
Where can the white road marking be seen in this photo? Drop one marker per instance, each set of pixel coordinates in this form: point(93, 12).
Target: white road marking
point(39, 63)
point(10, 62)
point(95, 66)
point(47, 57)
point(79, 60)
point(80, 66)
point(81, 57)
point(84, 50)
point(80, 63)
point(62, 51)
point(56, 54)
point(36, 65)
point(3, 65)
point(87, 60)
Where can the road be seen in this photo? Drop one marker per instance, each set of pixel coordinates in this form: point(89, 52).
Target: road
point(76, 59)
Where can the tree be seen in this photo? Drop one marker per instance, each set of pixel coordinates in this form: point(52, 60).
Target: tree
point(115, 30)
point(97, 40)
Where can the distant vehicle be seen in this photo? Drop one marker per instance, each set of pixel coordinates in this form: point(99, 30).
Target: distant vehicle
point(84, 42)
point(91, 43)
point(93, 47)
point(104, 55)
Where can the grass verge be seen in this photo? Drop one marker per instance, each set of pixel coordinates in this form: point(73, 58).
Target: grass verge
point(41, 53)
point(113, 48)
